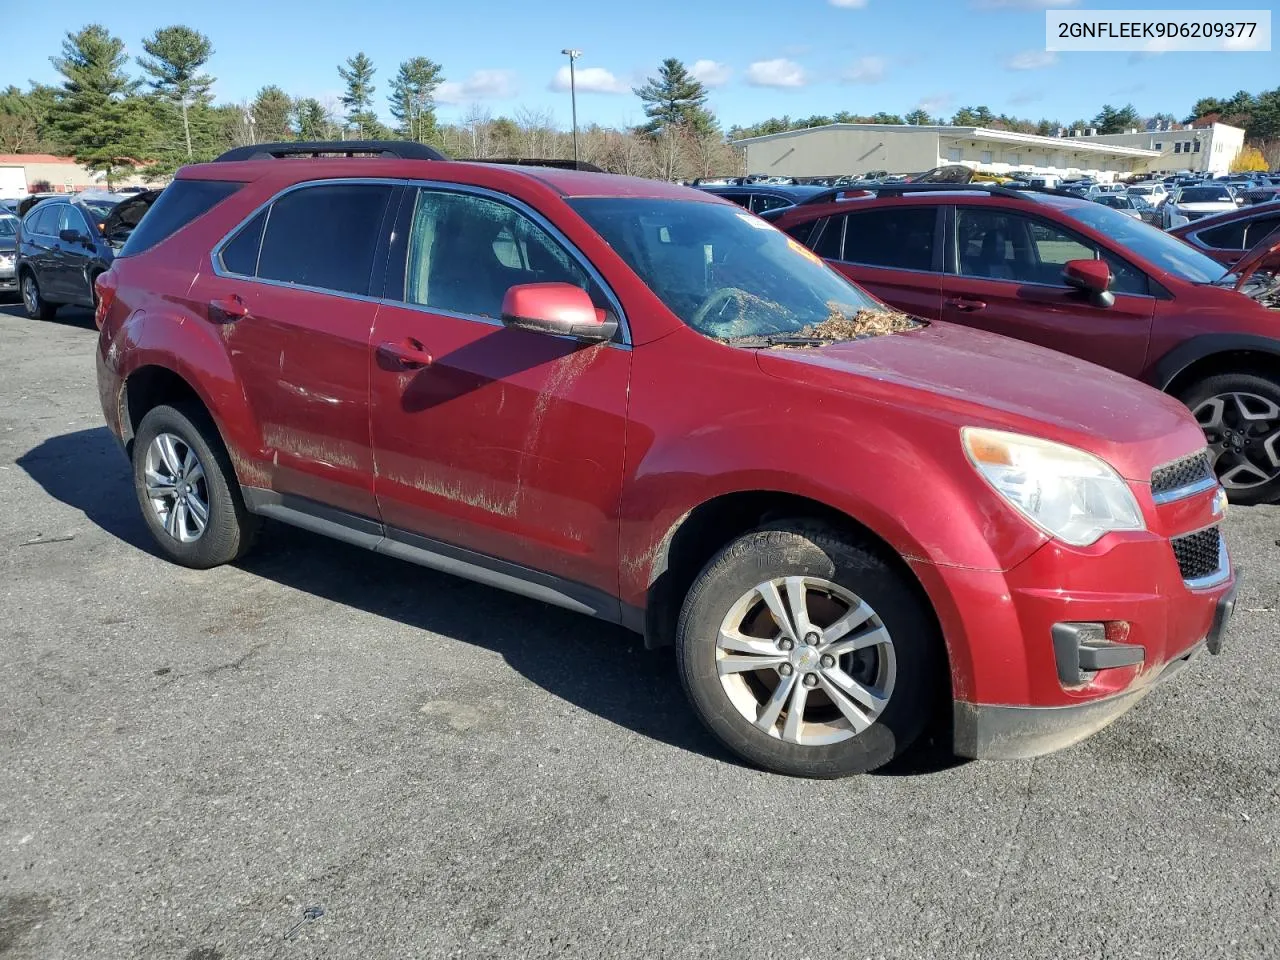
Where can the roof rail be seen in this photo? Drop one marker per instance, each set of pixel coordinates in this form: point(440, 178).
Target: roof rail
point(387, 149)
point(902, 189)
point(535, 162)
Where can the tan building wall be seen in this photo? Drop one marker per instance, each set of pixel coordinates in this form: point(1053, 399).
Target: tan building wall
point(1209, 149)
point(859, 148)
point(45, 173)
point(837, 150)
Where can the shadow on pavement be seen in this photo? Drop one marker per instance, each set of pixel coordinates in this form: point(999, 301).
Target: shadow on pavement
point(66, 316)
point(598, 667)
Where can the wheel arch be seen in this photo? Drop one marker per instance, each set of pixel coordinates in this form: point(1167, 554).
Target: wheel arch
point(1211, 354)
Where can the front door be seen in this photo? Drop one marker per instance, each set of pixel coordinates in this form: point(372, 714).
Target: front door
point(291, 300)
point(1005, 276)
point(497, 440)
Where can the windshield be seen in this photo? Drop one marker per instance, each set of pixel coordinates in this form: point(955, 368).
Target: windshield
point(1148, 242)
point(1204, 195)
point(8, 226)
point(1140, 191)
point(723, 271)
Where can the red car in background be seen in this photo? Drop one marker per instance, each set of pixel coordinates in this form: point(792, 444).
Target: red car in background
point(641, 402)
point(1229, 236)
point(1079, 277)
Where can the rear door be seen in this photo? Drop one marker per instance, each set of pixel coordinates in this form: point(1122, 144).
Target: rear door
point(895, 252)
point(290, 296)
point(494, 439)
point(1004, 274)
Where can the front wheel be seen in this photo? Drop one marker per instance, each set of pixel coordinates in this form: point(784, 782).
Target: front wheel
point(807, 654)
point(1240, 416)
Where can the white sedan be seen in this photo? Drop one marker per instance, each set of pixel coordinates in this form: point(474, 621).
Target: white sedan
point(1192, 203)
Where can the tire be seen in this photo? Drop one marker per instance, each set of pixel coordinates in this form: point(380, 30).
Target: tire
point(36, 307)
point(910, 669)
point(229, 530)
point(1240, 414)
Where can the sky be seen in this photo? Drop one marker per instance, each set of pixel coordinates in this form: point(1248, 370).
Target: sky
point(759, 58)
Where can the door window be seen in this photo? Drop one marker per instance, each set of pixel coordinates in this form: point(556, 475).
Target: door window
point(467, 251)
point(1005, 246)
point(1239, 235)
point(323, 236)
point(829, 242)
point(44, 222)
point(766, 201)
point(901, 239)
point(69, 218)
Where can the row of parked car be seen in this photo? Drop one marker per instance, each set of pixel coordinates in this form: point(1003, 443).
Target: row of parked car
point(768, 447)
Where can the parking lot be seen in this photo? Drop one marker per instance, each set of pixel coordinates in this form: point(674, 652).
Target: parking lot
point(191, 759)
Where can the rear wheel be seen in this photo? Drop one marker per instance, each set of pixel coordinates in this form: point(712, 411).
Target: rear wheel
point(1240, 416)
point(33, 300)
point(807, 654)
point(187, 489)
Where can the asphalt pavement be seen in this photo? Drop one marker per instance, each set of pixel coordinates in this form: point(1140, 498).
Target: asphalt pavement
point(190, 760)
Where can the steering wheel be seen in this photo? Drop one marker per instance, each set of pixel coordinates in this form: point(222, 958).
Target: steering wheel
point(716, 301)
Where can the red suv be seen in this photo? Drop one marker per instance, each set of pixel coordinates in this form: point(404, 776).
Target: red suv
point(1085, 279)
point(641, 402)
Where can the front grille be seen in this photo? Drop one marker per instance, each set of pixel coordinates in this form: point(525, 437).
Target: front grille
point(1198, 553)
point(1181, 474)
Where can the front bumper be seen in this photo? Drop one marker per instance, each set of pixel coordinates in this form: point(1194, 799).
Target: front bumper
point(1000, 732)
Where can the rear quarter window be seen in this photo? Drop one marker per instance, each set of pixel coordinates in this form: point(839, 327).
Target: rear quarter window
point(180, 203)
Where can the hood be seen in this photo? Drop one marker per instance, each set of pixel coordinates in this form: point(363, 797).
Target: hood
point(124, 216)
point(1212, 206)
point(1265, 255)
point(982, 379)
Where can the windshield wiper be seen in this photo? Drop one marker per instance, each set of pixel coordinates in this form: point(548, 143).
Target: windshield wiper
point(774, 340)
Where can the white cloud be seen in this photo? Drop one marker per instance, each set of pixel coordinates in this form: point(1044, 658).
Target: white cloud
point(849, 4)
point(481, 85)
point(711, 73)
point(1023, 4)
point(1032, 60)
point(935, 103)
point(776, 73)
point(588, 80)
point(867, 70)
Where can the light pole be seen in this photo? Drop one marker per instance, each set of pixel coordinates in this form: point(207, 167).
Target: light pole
point(573, 97)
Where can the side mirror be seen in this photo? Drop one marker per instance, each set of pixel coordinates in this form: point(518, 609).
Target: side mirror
point(556, 308)
point(1091, 276)
point(73, 236)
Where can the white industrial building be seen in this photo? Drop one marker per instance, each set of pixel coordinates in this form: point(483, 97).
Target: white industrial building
point(1209, 148)
point(856, 148)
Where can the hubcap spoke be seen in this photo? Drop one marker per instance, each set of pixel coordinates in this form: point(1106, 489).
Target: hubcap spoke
point(850, 710)
point(871, 637)
point(169, 453)
point(171, 476)
point(798, 599)
point(195, 474)
point(159, 486)
point(773, 600)
point(795, 713)
point(171, 520)
point(199, 512)
point(1209, 414)
point(740, 643)
point(189, 463)
point(768, 716)
point(872, 700)
point(855, 618)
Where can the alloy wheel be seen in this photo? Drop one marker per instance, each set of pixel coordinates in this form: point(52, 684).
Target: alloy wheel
point(30, 295)
point(1243, 431)
point(177, 488)
point(806, 660)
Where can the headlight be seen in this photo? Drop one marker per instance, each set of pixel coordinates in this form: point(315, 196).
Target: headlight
point(1070, 494)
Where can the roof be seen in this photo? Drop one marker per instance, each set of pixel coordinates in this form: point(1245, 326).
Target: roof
point(1082, 144)
point(24, 158)
point(567, 183)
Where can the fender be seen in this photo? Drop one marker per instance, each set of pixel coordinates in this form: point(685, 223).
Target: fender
point(191, 348)
point(727, 456)
point(1167, 369)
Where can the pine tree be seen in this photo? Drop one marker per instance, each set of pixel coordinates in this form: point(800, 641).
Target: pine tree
point(675, 100)
point(918, 118)
point(413, 98)
point(96, 113)
point(358, 76)
point(175, 57)
point(311, 120)
point(272, 112)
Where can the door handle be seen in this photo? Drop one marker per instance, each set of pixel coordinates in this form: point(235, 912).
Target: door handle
point(228, 309)
point(410, 354)
point(965, 304)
